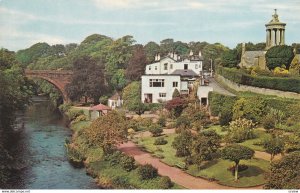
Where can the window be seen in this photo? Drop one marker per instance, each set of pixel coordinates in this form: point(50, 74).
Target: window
point(185, 66)
point(166, 66)
point(157, 82)
point(196, 66)
point(149, 67)
point(171, 66)
point(175, 84)
point(155, 67)
point(162, 94)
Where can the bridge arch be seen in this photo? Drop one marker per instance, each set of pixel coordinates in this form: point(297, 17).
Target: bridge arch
point(58, 78)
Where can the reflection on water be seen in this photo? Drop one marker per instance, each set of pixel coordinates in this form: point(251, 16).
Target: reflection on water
point(41, 153)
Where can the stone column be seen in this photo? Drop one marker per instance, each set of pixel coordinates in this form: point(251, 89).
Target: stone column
point(282, 38)
point(278, 39)
point(272, 37)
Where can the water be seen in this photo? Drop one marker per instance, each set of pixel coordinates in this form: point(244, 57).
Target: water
point(40, 150)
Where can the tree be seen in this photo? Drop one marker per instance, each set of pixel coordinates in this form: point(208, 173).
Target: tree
point(132, 95)
point(274, 146)
point(278, 56)
point(118, 80)
point(107, 131)
point(236, 153)
point(285, 173)
point(240, 130)
point(151, 49)
point(205, 145)
point(166, 46)
point(176, 93)
point(229, 58)
point(176, 106)
point(183, 143)
point(137, 63)
point(87, 80)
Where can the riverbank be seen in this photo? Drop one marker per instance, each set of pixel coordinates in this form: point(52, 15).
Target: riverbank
point(108, 171)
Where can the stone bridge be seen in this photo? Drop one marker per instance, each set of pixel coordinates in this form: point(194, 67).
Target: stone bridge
point(59, 78)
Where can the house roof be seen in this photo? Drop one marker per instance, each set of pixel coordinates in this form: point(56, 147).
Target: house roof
point(249, 57)
point(116, 96)
point(187, 72)
point(99, 107)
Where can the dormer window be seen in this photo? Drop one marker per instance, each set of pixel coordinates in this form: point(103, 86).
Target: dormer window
point(166, 66)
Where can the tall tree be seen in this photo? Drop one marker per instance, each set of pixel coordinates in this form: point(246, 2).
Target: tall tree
point(274, 146)
point(166, 46)
point(136, 64)
point(87, 80)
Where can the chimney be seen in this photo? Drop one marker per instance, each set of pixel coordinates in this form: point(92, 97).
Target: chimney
point(200, 54)
point(175, 56)
point(158, 57)
point(243, 48)
point(155, 58)
point(191, 53)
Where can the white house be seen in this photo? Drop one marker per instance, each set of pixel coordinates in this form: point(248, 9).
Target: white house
point(115, 101)
point(167, 74)
point(202, 94)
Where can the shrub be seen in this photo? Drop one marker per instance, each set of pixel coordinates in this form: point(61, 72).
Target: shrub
point(183, 122)
point(219, 103)
point(160, 141)
point(74, 113)
point(121, 183)
point(103, 99)
point(127, 162)
point(182, 143)
point(114, 158)
point(269, 122)
point(165, 182)
point(240, 130)
point(176, 106)
point(156, 130)
point(80, 118)
point(64, 107)
point(225, 117)
point(147, 172)
point(162, 121)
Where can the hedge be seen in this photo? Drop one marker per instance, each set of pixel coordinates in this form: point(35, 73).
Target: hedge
point(290, 84)
point(220, 103)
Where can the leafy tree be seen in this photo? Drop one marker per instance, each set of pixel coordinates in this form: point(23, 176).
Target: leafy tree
point(107, 131)
point(285, 173)
point(118, 80)
point(251, 108)
point(151, 49)
point(212, 51)
point(274, 146)
point(166, 46)
point(181, 48)
point(182, 143)
point(229, 58)
point(137, 63)
point(87, 80)
point(205, 145)
point(240, 130)
point(176, 93)
point(236, 153)
point(176, 106)
point(278, 56)
point(147, 172)
point(132, 95)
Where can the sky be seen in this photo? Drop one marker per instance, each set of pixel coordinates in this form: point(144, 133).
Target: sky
point(26, 22)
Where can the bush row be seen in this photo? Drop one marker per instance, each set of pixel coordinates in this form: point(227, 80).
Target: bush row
point(290, 84)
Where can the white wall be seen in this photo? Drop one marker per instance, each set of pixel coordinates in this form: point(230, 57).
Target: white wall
point(203, 91)
point(168, 87)
point(114, 103)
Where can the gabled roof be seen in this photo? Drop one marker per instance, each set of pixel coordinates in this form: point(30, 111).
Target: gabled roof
point(187, 72)
point(99, 107)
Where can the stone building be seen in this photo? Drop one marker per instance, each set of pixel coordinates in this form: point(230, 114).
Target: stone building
point(275, 35)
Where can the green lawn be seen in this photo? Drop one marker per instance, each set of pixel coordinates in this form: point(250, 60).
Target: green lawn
point(80, 125)
point(165, 152)
point(217, 170)
point(261, 135)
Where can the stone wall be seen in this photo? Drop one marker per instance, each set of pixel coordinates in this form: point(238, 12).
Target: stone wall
point(265, 91)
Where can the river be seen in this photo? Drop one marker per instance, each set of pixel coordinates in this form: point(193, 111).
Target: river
point(39, 148)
